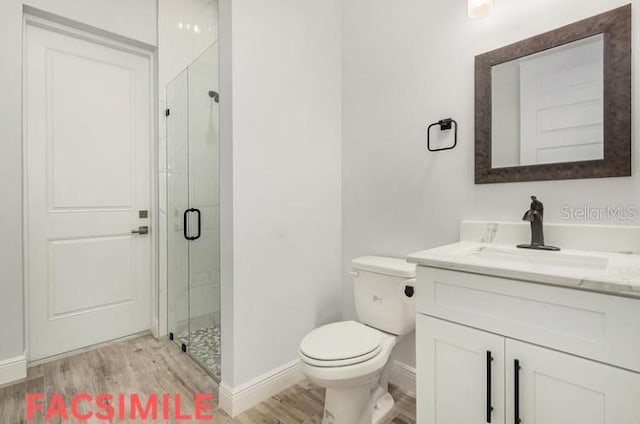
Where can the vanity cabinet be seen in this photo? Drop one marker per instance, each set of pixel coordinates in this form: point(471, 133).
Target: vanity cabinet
point(495, 350)
point(467, 375)
point(460, 371)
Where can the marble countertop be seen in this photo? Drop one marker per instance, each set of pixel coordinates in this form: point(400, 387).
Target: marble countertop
point(603, 272)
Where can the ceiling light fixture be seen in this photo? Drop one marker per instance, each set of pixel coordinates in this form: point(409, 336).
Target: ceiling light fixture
point(479, 8)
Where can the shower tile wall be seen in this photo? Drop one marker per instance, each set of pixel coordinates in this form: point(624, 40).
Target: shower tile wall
point(185, 29)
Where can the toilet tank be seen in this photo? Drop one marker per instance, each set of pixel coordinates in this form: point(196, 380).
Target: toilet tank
point(379, 292)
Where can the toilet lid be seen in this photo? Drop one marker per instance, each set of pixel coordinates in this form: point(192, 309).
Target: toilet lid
point(341, 341)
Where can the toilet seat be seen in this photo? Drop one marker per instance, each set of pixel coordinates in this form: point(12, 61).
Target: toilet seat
point(341, 344)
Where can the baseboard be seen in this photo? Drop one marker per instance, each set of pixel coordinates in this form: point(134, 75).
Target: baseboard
point(403, 376)
point(155, 328)
point(13, 370)
point(235, 400)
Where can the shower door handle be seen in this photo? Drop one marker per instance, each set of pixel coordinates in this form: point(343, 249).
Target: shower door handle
point(199, 224)
point(185, 224)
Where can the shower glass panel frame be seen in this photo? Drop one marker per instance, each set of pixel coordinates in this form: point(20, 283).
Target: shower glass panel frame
point(193, 211)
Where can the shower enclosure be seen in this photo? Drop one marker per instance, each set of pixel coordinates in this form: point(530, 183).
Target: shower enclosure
point(193, 211)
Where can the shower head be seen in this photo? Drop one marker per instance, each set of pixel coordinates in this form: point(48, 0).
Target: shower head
point(215, 96)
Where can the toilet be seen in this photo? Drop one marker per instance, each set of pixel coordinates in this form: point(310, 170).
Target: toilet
point(350, 359)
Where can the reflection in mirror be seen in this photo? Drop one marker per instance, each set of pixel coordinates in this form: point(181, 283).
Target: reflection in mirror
point(549, 107)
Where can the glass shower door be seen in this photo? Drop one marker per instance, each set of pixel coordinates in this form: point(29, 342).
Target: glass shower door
point(204, 196)
point(177, 203)
point(193, 211)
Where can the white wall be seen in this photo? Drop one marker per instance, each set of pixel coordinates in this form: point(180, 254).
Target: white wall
point(411, 63)
point(286, 229)
point(226, 190)
point(135, 20)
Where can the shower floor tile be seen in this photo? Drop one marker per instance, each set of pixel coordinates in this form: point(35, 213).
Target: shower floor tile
point(203, 344)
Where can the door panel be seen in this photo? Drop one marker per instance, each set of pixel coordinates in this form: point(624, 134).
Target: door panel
point(557, 388)
point(452, 365)
point(89, 261)
point(562, 98)
point(86, 97)
point(88, 152)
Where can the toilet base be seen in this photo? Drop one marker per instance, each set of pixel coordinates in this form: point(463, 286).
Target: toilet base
point(382, 408)
point(357, 405)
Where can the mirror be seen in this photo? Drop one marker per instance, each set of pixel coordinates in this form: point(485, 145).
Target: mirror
point(557, 106)
point(548, 107)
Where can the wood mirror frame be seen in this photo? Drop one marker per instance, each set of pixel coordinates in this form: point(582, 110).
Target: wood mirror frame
point(615, 26)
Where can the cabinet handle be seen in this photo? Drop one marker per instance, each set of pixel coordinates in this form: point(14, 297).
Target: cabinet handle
point(489, 407)
point(516, 391)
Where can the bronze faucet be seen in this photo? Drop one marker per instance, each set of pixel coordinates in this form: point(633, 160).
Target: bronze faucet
point(535, 216)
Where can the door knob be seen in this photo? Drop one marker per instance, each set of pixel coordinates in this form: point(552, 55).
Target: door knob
point(141, 230)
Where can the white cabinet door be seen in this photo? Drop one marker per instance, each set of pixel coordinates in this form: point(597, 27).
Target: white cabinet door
point(454, 373)
point(556, 388)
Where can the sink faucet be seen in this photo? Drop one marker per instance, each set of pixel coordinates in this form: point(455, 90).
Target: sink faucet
point(535, 216)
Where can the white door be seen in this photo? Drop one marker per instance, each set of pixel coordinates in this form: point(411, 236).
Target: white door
point(562, 104)
point(454, 368)
point(87, 168)
point(556, 388)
